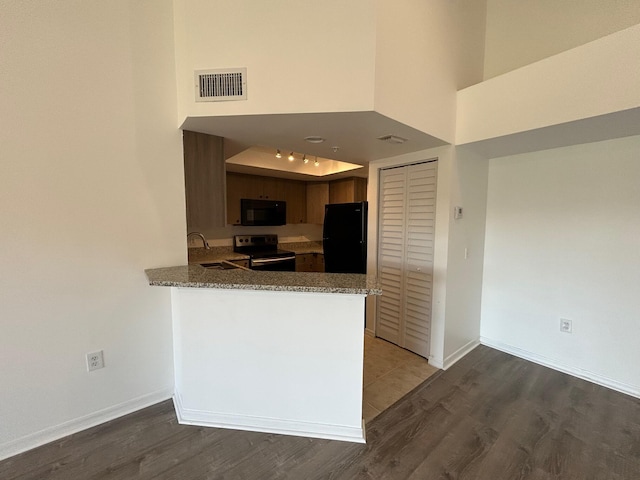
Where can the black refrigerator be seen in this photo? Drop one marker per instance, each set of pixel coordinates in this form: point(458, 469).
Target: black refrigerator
point(344, 237)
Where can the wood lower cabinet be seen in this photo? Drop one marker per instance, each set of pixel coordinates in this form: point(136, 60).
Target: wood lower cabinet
point(204, 175)
point(310, 262)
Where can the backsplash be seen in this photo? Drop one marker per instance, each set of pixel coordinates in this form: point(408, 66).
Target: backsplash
point(223, 237)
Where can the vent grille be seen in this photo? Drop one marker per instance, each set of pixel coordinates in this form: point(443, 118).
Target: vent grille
point(392, 139)
point(221, 85)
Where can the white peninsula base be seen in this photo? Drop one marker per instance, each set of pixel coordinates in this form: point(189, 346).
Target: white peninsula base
point(270, 361)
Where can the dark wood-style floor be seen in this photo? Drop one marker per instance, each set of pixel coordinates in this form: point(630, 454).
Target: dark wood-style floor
point(491, 416)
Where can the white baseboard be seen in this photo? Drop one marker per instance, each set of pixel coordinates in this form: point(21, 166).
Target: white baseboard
point(458, 354)
point(56, 432)
point(436, 362)
point(632, 390)
point(267, 425)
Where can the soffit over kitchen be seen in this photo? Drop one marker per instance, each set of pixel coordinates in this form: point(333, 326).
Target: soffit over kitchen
point(348, 137)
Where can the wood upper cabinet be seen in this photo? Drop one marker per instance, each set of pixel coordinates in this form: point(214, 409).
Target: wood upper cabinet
point(237, 187)
point(204, 175)
point(348, 190)
point(295, 194)
point(305, 200)
point(241, 186)
point(317, 198)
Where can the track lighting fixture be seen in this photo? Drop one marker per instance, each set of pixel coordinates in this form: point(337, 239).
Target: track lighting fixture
point(305, 159)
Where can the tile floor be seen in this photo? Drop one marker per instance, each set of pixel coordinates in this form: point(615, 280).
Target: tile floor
point(390, 372)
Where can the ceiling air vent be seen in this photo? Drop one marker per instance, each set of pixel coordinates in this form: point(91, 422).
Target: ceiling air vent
point(221, 85)
point(392, 139)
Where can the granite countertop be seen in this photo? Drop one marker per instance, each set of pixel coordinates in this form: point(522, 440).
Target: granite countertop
point(300, 248)
point(213, 255)
point(195, 276)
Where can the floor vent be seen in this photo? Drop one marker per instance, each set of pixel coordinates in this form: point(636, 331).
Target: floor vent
point(221, 85)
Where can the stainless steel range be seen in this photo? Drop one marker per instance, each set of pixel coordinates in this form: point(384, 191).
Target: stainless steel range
point(264, 253)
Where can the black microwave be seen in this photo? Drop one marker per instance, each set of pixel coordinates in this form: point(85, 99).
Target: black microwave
point(262, 212)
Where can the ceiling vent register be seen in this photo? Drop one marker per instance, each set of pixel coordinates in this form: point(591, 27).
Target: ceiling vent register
point(221, 85)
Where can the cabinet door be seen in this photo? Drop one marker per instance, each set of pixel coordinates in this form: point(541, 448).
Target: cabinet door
point(295, 194)
point(317, 198)
point(303, 262)
point(204, 175)
point(341, 191)
point(238, 187)
point(270, 188)
point(348, 190)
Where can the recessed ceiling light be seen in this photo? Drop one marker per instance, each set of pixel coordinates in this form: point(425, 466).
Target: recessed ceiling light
point(314, 139)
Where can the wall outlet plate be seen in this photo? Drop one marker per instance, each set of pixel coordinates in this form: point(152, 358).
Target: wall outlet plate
point(566, 325)
point(95, 361)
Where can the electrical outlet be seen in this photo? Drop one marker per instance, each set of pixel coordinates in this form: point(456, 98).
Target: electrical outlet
point(95, 361)
point(566, 325)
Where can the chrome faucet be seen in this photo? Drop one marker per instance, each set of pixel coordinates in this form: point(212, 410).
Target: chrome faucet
point(204, 240)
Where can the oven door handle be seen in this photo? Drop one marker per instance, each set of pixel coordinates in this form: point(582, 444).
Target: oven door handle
point(262, 261)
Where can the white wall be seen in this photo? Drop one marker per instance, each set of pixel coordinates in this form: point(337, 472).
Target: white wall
point(333, 56)
point(465, 254)
point(562, 236)
point(425, 52)
point(91, 193)
point(520, 33)
point(597, 78)
point(301, 56)
point(292, 361)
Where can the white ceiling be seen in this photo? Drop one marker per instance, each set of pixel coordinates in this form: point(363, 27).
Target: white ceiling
point(354, 133)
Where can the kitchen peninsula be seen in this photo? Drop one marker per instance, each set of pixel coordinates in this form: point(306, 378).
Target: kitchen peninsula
point(278, 352)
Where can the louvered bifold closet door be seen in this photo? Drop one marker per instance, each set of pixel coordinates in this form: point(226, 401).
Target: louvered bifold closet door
point(418, 281)
point(405, 255)
point(391, 254)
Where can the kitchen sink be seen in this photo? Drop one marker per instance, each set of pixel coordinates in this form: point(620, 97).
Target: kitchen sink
point(219, 266)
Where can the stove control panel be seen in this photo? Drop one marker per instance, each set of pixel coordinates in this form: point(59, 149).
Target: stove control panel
point(255, 241)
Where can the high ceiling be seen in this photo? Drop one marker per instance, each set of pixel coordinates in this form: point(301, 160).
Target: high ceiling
point(355, 134)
